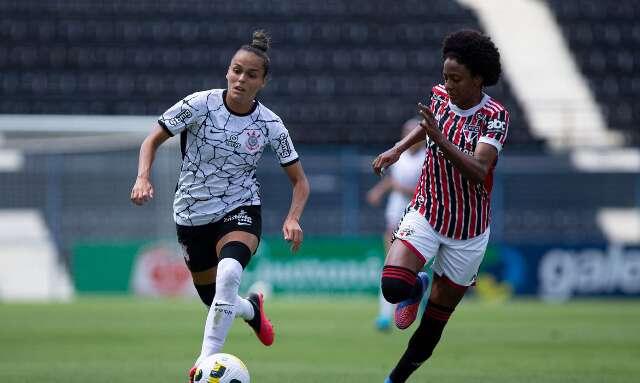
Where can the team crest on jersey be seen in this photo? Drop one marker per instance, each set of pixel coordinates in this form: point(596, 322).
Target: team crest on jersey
point(252, 144)
point(470, 131)
point(405, 231)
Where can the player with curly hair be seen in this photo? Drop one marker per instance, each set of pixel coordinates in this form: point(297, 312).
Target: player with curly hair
point(447, 220)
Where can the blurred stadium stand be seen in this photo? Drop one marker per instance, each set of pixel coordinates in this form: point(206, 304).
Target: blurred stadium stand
point(84, 195)
point(343, 71)
point(605, 40)
point(346, 74)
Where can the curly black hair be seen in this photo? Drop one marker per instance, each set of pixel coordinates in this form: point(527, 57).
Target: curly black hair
point(475, 51)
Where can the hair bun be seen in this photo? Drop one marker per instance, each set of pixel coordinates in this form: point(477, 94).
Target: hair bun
point(261, 41)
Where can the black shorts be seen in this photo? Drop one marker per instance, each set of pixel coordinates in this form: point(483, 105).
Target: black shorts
point(199, 242)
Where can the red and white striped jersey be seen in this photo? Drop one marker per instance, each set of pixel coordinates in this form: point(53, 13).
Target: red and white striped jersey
point(454, 206)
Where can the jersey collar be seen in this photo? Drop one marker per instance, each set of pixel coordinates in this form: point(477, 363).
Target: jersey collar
point(224, 100)
point(471, 111)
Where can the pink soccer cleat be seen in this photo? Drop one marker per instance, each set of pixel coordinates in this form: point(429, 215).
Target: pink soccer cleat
point(192, 374)
point(260, 323)
point(407, 310)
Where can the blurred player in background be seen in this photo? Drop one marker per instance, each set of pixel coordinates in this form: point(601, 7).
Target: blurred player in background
point(400, 183)
point(223, 133)
point(448, 217)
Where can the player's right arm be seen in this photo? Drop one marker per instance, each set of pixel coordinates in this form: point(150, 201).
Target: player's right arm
point(187, 112)
point(142, 190)
point(391, 156)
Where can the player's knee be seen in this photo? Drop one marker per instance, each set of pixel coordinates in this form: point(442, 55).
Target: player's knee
point(397, 283)
point(238, 251)
point(206, 293)
point(229, 275)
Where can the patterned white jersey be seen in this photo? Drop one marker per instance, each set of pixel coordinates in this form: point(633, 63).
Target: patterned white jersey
point(220, 152)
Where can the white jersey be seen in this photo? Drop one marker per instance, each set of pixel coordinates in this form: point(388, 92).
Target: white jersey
point(404, 172)
point(220, 152)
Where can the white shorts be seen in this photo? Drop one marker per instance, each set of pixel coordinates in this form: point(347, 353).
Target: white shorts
point(456, 259)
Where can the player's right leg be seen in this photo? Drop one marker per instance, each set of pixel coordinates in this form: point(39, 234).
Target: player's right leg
point(199, 253)
point(402, 281)
point(399, 274)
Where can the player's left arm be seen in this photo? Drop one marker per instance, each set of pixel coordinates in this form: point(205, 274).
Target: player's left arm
point(282, 145)
point(475, 168)
point(291, 227)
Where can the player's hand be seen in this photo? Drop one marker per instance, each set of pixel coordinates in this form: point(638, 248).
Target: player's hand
point(374, 196)
point(384, 160)
point(142, 191)
point(428, 123)
point(292, 233)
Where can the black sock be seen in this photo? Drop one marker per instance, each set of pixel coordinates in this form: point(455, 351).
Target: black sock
point(398, 283)
point(423, 341)
point(417, 288)
point(206, 293)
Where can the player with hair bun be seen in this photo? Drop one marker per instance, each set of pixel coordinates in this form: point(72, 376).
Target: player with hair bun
point(448, 218)
point(223, 133)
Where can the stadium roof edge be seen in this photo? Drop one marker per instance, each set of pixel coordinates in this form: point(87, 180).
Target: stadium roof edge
point(75, 123)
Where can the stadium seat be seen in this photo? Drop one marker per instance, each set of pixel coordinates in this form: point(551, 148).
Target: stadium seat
point(334, 61)
point(605, 41)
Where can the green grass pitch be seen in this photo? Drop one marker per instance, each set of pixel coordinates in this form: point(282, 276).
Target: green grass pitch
point(126, 340)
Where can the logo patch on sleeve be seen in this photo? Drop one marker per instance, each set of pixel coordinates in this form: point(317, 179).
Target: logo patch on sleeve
point(284, 149)
point(180, 117)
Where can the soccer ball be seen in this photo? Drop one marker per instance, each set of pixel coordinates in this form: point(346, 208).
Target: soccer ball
point(221, 368)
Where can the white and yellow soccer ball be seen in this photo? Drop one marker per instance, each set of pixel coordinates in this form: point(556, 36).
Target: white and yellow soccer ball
point(221, 368)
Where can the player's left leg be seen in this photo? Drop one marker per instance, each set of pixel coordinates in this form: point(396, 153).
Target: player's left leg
point(234, 249)
point(442, 301)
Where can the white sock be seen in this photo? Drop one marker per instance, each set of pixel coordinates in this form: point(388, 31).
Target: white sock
point(224, 307)
point(244, 309)
point(385, 308)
